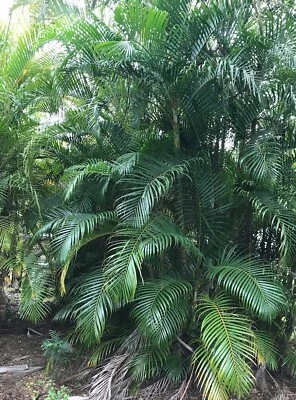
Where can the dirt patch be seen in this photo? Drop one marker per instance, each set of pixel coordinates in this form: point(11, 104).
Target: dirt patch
point(19, 348)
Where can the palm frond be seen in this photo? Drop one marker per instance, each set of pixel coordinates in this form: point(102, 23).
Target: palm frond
point(148, 363)
point(36, 289)
point(262, 158)
point(161, 308)
point(18, 67)
point(71, 229)
point(97, 168)
point(112, 379)
point(146, 186)
point(89, 306)
point(105, 229)
point(227, 346)
point(201, 203)
point(121, 50)
point(176, 368)
point(125, 163)
point(6, 229)
point(4, 185)
point(131, 246)
point(290, 361)
point(267, 352)
point(142, 23)
point(105, 349)
point(277, 210)
point(254, 284)
point(207, 375)
point(177, 11)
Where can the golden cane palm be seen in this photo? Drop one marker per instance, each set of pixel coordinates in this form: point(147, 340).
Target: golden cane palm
point(184, 81)
point(171, 178)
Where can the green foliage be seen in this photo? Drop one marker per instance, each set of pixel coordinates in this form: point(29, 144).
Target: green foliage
point(252, 283)
point(160, 191)
point(90, 307)
point(290, 362)
point(267, 353)
point(146, 186)
point(227, 344)
point(57, 351)
point(37, 288)
point(55, 393)
point(161, 309)
point(38, 387)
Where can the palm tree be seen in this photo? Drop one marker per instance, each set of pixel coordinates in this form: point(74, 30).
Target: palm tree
point(178, 217)
point(23, 190)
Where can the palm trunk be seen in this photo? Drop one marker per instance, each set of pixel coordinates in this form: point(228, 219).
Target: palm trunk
point(176, 129)
point(3, 300)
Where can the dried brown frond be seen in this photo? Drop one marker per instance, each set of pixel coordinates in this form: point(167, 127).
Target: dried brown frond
point(112, 381)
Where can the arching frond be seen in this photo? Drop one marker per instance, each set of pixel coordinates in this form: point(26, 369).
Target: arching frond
point(99, 169)
point(89, 306)
point(262, 159)
point(6, 229)
point(148, 363)
point(18, 67)
point(105, 349)
point(207, 375)
point(4, 184)
point(201, 203)
point(70, 229)
point(131, 246)
point(36, 289)
point(161, 308)
point(254, 284)
point(266, 350)
point(290, 361)
point(125, 163)
point(277, 210)
point(176, 368)
point(142, 23)
point(227, 345)
point(146, 186)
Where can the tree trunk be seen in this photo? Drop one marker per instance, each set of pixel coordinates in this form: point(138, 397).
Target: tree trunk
point(3, 300)
point(176, 130)
point(261, 381)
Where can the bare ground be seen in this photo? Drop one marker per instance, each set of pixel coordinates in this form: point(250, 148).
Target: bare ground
point(17, 348)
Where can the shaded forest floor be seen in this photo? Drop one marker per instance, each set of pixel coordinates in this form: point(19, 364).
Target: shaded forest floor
point(19, 348)
point(16, 349)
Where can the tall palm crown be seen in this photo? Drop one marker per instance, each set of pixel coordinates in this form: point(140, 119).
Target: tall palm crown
point(177, 147)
